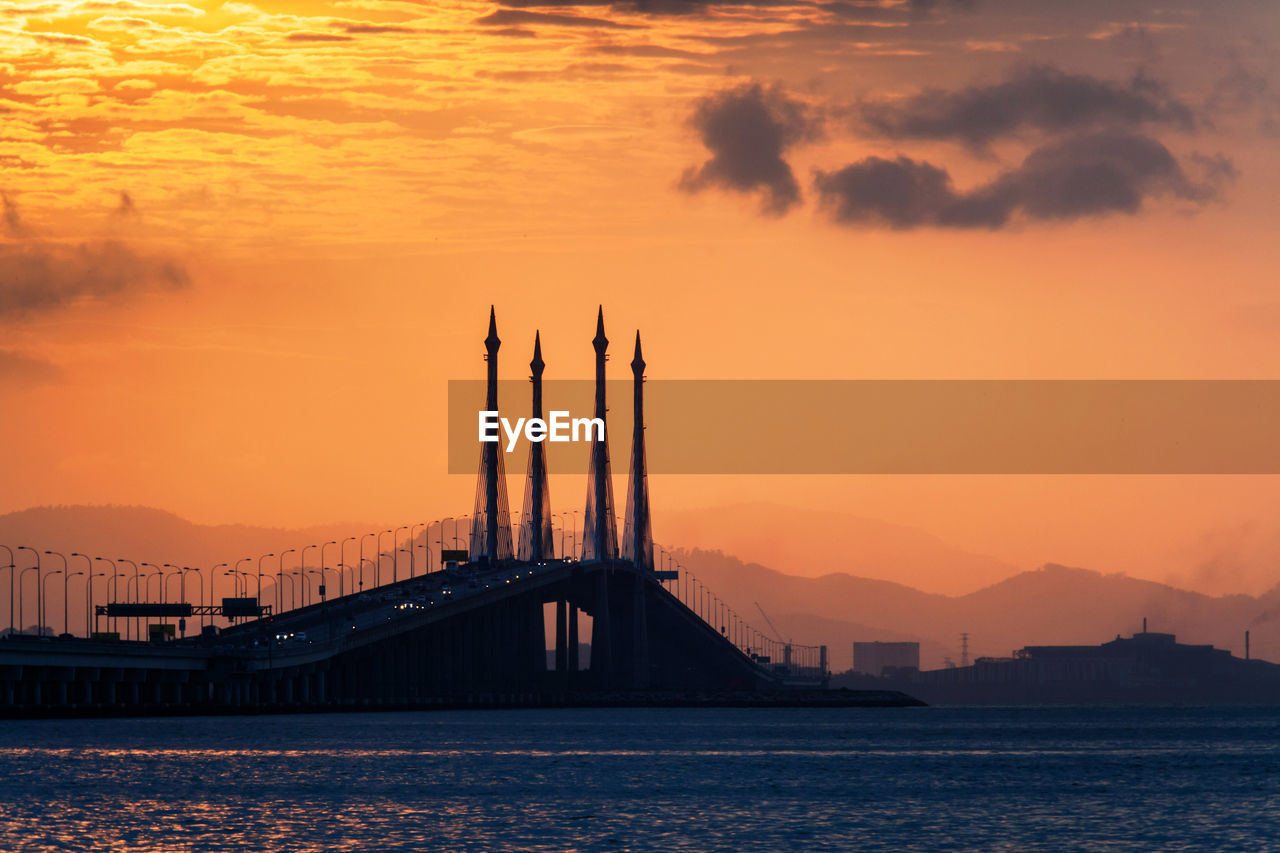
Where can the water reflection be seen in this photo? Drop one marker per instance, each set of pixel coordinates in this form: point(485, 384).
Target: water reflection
point(1030, 779)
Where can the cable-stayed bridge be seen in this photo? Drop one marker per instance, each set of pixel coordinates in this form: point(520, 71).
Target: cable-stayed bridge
point(524, 614)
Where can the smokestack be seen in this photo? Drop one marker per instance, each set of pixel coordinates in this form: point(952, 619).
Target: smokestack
point(1144, 624)
point(1246, 645)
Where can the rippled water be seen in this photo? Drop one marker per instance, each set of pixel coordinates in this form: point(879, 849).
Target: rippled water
point(685, 779)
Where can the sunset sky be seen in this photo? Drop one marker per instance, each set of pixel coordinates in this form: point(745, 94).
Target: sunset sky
point(245, 245)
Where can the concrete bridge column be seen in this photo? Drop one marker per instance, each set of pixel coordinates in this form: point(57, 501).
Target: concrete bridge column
point(640, 636)
point(601, 634)
point(574, 644)
point(562, 636)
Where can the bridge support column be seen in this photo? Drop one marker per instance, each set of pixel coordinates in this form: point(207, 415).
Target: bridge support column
point(573, 638)
point(601, 637)
point(562, 635)
point(537, 638)
point(639, 636)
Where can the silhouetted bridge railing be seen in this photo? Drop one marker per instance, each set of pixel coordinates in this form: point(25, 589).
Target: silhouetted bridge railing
point(461, 635)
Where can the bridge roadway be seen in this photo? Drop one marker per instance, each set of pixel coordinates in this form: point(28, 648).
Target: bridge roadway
point(467, 636)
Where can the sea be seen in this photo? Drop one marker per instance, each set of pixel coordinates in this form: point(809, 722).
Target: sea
point(698, 779)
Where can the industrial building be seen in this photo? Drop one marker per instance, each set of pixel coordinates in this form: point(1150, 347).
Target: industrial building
point(884, 659)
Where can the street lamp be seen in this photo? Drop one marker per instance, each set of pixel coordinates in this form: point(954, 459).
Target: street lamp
point(63, 558)
point(362, 538)
point(364, 560)
point(412, 538)
point(441, 539)
point(44, 588)
point(90, 618)
point(13, 569)
point(307, 587)
point(37, 568)
point(293, 602)
point(260, 559)
point(323, 563)
point(342, 558)
point(199, 587)
point(212, 574)
point(136, 592)
point(66, 620)
point(111, 584)
point(22, 577)
point(377, 574)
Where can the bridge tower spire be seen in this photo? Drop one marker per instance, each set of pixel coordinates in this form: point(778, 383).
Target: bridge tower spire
point(637, 532)
point(599, 529)
point(491, 517)
point(536, 541)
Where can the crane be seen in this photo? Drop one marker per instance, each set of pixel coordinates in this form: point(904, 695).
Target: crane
point(777, 634)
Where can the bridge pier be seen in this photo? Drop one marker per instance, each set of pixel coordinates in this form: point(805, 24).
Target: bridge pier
point(573, 639)
point(602, 669)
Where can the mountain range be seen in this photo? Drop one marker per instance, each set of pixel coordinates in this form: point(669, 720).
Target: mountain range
point(1049, 605)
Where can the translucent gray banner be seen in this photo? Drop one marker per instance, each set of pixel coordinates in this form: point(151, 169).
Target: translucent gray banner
point(902, 427)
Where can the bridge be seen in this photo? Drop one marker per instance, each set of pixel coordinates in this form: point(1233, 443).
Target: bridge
point(499, 622)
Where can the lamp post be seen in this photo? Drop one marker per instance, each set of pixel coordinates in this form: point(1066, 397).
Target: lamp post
point(260, 559)
point(323, 563)
point(307, 587)
point(395, 553)
point(66, 618)
point(164, 585)
point(293, 602)
point(441, 539)
point(111, 584)
point(302, 561)
point(235, 590)
point(364, 560)
point(63, 558)
point(136, 593)
point(377, 573)
point(413, 562)
point(199, 587)
point(22, 577)
point(362, 538)
point(13, 569)
point(212, 574)
point(36, 554)
point(44, 598)
point(342, 558)
point(91, 618)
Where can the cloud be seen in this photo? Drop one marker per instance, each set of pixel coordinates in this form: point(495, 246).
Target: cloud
point(38, 276)
point(517, 17)
point(1036, 97)
point(18, 368)
point(1082, 176)
point(748, 129)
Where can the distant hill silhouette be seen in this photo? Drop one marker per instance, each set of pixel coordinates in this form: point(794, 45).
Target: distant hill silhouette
point(812, 543)
point(1052, 605)
point(143, 533)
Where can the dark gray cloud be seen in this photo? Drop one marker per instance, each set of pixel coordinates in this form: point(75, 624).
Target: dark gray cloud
point(37, 276)
point(19, 368)
point(748, 129)
point(1034, 97)
point(518, 17)
point(1081, 176)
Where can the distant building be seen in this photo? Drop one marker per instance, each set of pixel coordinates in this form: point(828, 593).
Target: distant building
point(875, 658)
point(1147, 667)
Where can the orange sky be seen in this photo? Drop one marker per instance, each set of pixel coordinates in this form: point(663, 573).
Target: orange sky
point(266, 235)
